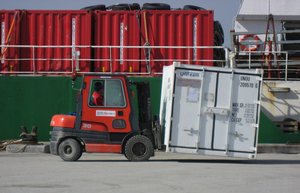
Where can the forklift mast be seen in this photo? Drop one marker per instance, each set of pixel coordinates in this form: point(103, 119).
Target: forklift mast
point(148, 123)
point(144, 105)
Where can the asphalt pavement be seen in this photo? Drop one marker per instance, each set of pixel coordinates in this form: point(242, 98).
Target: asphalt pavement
point(164, 173)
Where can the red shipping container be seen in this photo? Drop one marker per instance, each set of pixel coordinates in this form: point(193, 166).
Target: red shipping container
point(52, 36)
point(10, 35)
point(116, 28)
point(57, 29)
point(177, 28)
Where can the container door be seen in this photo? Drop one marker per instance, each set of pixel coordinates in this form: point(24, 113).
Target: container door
point(244, 116)
point(186, 109)
point(215, 110)
point(192, 127)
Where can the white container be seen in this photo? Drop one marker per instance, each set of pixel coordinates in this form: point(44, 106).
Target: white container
point(210, 110)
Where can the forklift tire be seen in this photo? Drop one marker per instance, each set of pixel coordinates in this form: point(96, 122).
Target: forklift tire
point(70, 150)
point(139, 148)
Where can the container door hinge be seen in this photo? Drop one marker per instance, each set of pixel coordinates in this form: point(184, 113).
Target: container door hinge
point(253, 149)
point(259, 79)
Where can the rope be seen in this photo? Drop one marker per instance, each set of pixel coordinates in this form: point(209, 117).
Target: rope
point(147, 50)
point(4, 145)
point(21, 149)
point(146, 29)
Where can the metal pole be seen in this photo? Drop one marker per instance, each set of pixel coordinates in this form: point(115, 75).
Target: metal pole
point(33, 59)
point(226, 57)
point(269, 7)
point(286, 67)
point(110, 59)
point(249, 60)
point(77, 54)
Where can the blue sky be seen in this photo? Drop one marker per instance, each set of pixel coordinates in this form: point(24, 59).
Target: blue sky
point(224, 10)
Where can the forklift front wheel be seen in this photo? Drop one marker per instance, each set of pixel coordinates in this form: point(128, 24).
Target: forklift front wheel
point(139, 148)
point(70, 150)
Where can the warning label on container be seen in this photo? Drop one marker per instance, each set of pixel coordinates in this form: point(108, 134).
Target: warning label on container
point(193, 95)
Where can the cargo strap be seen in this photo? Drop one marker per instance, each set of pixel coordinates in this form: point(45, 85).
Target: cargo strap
point(147, 50)
point(145, 26)
point(4, 144)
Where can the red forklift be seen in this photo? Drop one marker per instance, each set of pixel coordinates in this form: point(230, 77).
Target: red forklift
point(106, 121)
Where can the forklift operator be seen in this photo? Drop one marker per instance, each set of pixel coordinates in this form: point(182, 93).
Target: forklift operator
point(97, 96)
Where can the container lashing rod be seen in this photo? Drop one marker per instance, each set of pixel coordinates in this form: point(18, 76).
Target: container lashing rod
point(268, 45)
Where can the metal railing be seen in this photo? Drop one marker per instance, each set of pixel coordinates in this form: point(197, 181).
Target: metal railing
point(280, 37)
point(280, 64)
point(73, 57)
point(279, 67)
point(146, 55)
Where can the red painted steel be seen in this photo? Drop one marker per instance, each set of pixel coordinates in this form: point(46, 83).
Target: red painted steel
point(66, 121)
point(49, 28)
point(116, 28)
point(10, 35)
point(89, 114)
point(177, 28)
point(57, 28)
point(103, 148)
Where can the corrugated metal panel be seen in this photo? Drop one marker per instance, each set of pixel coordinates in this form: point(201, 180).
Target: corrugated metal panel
point(177, 28)
point(10, 35)
point(61, 28)
point(49, 28)
point(104, 28)
point(116, 28)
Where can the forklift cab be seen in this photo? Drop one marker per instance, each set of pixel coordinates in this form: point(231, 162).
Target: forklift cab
point(112, 111)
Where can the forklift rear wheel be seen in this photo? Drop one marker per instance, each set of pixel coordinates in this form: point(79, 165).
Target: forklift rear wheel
point(139, 148)
point(70, 150)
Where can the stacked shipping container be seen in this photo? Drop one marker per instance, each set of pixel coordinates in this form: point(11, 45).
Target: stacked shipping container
point(10, 34)
point(178, 28)
point(104, 41)
point(116, 28)
point(58, 28)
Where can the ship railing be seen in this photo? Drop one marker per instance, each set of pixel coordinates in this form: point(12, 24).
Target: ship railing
point(283, 63)
point(35, 55)
point(281, 39)
point(276, 65)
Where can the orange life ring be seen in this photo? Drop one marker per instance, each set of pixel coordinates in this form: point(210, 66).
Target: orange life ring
point(249, 38)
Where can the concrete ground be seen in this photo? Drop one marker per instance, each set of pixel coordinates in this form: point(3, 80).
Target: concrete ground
point(166, 172)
